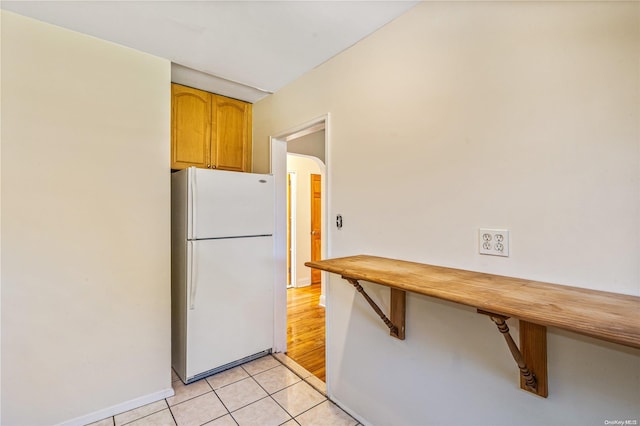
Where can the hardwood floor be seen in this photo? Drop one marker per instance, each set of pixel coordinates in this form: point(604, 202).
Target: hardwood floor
point(305, 329)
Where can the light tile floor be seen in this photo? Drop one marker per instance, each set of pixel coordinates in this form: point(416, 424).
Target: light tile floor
point(270, 391)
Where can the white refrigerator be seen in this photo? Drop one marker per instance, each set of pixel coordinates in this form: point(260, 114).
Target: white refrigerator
point(222, 270)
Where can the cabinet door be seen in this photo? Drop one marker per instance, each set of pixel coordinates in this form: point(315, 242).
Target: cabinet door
point(231, 139)
point(190, 127)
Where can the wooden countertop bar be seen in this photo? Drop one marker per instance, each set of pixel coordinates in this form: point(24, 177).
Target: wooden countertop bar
point(608, 316)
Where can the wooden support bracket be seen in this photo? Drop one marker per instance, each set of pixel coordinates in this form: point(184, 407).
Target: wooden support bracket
point(397, 309)
point(532, 355)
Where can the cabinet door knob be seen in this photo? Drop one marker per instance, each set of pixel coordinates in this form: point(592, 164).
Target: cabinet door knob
point(208, 166)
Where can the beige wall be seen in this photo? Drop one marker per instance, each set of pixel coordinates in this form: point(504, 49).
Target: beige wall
point(85, 226)
point(311, 144)
point(461, 115)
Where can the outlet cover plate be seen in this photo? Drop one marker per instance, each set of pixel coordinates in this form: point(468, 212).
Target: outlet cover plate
point(494, 242)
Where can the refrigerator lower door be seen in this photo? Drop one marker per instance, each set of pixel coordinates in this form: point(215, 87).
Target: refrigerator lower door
point(230, 306)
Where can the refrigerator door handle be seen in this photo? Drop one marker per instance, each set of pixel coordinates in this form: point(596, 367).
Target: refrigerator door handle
point(191, 278)
point(192, 201)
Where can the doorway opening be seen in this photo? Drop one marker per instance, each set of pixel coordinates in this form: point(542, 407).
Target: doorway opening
point(305, 310)
point(299, 162)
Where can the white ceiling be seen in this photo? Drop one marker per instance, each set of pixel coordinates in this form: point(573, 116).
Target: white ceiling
point(242, 48)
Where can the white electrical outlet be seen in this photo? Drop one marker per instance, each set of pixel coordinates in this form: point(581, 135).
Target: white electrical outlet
point(494, 242)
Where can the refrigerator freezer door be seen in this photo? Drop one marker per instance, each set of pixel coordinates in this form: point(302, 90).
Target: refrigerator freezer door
point(229, 204)
point(232, 298)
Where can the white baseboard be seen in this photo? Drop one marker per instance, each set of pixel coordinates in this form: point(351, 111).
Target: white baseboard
point(322, 300)
point(119, 408)
point(303, 282)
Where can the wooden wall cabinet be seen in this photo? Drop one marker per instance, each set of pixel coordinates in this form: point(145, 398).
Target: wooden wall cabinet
point(209, 131)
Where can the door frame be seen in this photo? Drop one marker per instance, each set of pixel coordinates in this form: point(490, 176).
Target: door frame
point(278, 146)
point(315, 272)
point(292, 221)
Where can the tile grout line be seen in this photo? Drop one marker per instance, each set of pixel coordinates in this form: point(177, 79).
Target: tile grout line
point(263, 371)
point(291, 419)
point(245, 406)
point(304, 379)
point(272, 368)
point(310, 408)
point(229, 412)
point(186, 400)
point(259, 399)
point(339, 407)
point(270, 394)
point(145, 416)
point(219, 417)
point(214, 393)
point(230, 383)
point(220, 399)
point(293, 371)
point(222, 402)
point(172, 416)
point(285, 410)
point(193, 397)
point(249, 375)
point(286, 387)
